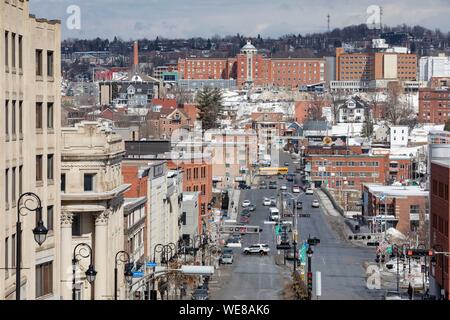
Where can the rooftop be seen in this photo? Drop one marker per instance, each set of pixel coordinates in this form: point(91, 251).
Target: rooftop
point(443, 163)
point(397, 191)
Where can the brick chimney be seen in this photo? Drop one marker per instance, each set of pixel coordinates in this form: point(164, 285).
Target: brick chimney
point(135, 54)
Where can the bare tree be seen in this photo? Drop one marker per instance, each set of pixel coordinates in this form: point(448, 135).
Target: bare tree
point(398, 112)
point(336, 98)
point(317, 103)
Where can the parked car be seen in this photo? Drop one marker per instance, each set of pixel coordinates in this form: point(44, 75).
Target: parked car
point(283, 187)
point(226, 258)
point(266, 202)
point(200, 294)
point(286, 164)
point(251, 207)
point(295, 189)
point(290, 177)
point(246, 203)
point(272, 185)
point(228, 250)
point(244, 186)
point(260, 248)
point(315, 204)
point(299, 205)
point(309, 191)
point(245, 213)
point(236, 236)
point(233, 243)
point(263, 186)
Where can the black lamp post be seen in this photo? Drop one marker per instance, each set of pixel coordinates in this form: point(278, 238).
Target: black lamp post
point(40, 231)
point(123, 257)
point(309, 253)
point(90, 272)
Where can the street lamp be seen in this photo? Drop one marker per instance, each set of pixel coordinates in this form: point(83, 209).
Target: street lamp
point(309, 253)
point(90, 272)
point(124, 257)
point(39, 232)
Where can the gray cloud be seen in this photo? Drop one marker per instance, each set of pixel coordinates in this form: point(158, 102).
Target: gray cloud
point(180, 18)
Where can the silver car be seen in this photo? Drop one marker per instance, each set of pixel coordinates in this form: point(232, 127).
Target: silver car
point(226, 258)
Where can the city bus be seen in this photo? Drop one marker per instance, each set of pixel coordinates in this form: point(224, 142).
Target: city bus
point(272, 171)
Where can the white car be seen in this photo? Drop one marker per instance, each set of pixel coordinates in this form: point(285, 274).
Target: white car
point(283, 187)
point(226, 259)
point(309, 191)
point(246, 203)
point(260, 248)
point(295, 189)
point(266, 202)
point(315, 204)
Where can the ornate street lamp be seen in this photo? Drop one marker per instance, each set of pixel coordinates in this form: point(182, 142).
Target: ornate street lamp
point(39, 232)
point(90, 272)
point(124, 257)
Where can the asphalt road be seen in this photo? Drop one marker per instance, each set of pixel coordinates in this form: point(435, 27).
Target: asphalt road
point(259, 278)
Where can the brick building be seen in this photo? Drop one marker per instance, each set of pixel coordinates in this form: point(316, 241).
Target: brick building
point(440, 217)
point(434, 105)
point(249, 67)
point(401, 168)
point(406, 208)
point(368, 66)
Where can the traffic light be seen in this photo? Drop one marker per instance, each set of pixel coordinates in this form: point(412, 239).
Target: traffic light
point(380, 258)
point(420, 253)
point(309, 281)
point(377, 259)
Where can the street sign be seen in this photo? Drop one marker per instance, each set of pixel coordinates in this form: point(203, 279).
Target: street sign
point(151, 264)
point(304, 215)
point(240, 229)
point(138, 274)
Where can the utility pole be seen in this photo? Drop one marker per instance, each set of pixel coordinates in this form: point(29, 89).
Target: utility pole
point(294, 235)
point(328, 22)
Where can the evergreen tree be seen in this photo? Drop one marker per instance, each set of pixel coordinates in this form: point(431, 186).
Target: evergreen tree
point(209, 104)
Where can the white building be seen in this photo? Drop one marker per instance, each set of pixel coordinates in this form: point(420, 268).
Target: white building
point(434, 67)
point(30, 98)
point(352, 111)
point(92, 199)
point(190, 213)
point(398, 136)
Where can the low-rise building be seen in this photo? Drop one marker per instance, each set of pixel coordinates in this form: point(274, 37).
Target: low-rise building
point(434, 105)
point(402, 207)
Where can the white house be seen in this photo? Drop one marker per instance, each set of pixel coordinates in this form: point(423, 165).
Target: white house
point(352, 111)
point(399, 136)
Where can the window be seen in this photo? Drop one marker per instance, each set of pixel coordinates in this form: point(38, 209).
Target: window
point(414, 209)
point(13, 250)
point(76, 224)
point(63, 182)
point(13, 183)
point(203, 188)
point(39, 168)
point(6, 257)
point(39, 115)
point(20, 52)
point(6, 186)
point(6, 48)
point(88, 182)
point(50, 167)
point(441, 190)
point(50, 115)
point(20, 179)
point(13, 114)
point(435, 188)
point(44, 279)
point(13, 50)
point(20, 118)
point(39, 62)
point(50, 63)
point(50, 218)
point(7, 117)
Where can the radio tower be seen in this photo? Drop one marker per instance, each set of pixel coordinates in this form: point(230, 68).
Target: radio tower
point(328, 21)
point(381, 19)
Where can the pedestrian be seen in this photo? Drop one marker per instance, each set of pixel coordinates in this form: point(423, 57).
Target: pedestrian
point(410, 291)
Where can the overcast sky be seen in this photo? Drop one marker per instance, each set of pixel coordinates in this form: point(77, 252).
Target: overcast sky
point(130, 19)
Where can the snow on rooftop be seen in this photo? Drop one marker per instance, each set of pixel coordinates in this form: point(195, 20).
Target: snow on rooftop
point(397, 190)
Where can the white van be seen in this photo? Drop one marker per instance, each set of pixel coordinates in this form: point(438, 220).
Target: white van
point(274, 213)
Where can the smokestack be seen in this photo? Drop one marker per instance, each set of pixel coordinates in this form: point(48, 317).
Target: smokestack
point(135, 54)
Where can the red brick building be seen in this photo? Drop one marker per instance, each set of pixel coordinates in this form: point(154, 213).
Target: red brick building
point(197, 176)
point(250, 67)
point(440, 218)
point(406, 206)
point(400, 168)
point(434, 105)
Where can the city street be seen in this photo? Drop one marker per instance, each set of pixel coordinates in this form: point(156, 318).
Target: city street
point(340, 263)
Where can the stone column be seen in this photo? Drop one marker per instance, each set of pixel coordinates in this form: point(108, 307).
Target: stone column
point(101, 254)
point(66, 255)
